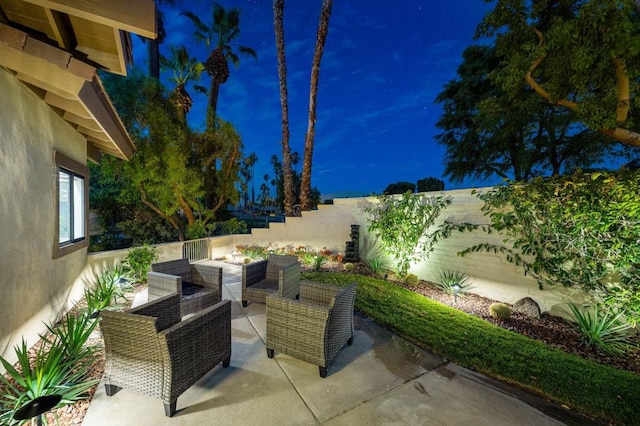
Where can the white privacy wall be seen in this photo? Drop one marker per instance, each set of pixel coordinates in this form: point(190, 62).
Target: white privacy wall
point(330, 226)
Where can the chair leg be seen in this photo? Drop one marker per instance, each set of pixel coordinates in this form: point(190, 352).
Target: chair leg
point(350, 341)
point(111, 389)
point(323, 371)
point(170, 409)
point(270, 353)
point(226, 362)
point(244, 303)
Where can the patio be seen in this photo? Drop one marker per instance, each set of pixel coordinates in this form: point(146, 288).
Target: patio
point(381, 379)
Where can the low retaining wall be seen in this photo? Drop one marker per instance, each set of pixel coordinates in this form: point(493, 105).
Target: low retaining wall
point(329, 227)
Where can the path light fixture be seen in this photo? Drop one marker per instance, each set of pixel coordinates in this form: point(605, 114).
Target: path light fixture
point(456, 290)
point(37, 407)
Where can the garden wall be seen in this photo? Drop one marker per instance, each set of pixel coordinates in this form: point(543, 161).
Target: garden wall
point(330, 226)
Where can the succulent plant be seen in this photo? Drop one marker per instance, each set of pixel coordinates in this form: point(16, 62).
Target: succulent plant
point(349, 267)
point(411, 280)
point(499, 311)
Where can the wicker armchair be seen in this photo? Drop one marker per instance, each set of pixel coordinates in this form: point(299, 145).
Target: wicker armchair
point(313, 328)
point(278, 274)
point(199, 286)
point(150, 350)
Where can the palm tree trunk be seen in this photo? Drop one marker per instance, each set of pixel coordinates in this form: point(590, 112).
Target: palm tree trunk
point(323, 30)
point(278, 18)
point(214, 89)
point(154, 58)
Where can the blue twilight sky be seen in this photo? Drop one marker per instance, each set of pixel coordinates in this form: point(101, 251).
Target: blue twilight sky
point(384, 63)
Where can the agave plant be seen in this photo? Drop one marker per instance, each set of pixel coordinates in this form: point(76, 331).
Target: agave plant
point(318, 261)
point(376, 265)
point(603, 329)
point(52, 372)
point(73, 333)
point(454, 282)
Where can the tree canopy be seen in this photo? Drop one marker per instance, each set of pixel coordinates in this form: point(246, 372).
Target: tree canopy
point(581, 55)
point(514, 134)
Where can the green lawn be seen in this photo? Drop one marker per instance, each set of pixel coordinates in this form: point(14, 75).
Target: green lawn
point(584, 386)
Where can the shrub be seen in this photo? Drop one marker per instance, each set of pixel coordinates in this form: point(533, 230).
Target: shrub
point(402, 223)
point(499, 311)
point(606, 331)
point(139, 260)
point(307, 258)
point(450, 279)
point(254, 252)
point(349, 267)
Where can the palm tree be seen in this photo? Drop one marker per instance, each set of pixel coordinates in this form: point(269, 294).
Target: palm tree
point(153, 46)
point(184, 69)
point(218, 36)
point(278, 18)
point(323, 29)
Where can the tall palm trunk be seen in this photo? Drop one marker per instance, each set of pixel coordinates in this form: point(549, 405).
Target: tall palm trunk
point(323, 30)
point(278, 18)
point(212, 106)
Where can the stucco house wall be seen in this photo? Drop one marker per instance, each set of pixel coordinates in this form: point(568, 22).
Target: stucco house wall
point(34, 287)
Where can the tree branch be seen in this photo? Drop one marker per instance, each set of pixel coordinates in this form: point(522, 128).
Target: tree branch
point(171, 220)
point(537, 87)
point(622, 77)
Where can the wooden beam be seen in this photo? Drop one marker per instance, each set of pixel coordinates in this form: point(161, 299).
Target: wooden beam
point(85, 123)
point(71, 105)
point(97, 102)
point(138, 17)
point(60, 29)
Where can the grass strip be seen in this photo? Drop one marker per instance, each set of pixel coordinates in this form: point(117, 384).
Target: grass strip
point(585, 386)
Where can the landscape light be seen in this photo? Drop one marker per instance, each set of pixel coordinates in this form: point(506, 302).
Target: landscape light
point(456, 289)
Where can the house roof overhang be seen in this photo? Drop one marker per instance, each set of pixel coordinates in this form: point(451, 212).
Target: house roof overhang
point(56, 49)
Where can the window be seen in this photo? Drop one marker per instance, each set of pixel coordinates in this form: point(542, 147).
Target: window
point(72, 209)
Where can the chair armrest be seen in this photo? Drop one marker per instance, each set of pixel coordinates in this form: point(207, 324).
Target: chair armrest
point(166, 309)
point(318, 293)
point(289, 280)
point(160, 284)
point(199, 343)
point(297, 309)
point(254, 272)
point(300, 327)
point(207, 276)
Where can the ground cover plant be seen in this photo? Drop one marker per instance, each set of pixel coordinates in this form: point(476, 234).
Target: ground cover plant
point(595, 389)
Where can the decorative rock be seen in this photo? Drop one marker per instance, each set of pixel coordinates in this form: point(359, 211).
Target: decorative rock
point(528, 307)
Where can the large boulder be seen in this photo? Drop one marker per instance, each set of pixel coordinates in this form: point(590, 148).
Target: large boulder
point(528, 307)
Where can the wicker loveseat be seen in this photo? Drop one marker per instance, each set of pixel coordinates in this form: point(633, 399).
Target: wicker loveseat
point(277, 274)
point(199, 285)
point(313, 328)
point(148, 349)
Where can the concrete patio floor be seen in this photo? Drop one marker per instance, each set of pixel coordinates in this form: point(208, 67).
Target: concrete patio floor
point(380, 380)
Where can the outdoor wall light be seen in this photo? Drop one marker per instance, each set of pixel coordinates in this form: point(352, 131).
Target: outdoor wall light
point(456, 290)
point(234, 254)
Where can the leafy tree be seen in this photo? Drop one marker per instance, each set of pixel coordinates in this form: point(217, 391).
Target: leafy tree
point(166, 174)
point(581, 55)
point(323, 30)
point(402, 223)
point(287, 176)
point(430, 184)
point(219, 36)
point(580, 230)
point(512, 134)
point(400, 188)
point(185, 69)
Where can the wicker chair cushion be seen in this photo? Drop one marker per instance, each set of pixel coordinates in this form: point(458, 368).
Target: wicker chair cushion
point(190, 290)
point(266, 285)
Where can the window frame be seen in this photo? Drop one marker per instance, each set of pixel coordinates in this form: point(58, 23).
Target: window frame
point(74, 169)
